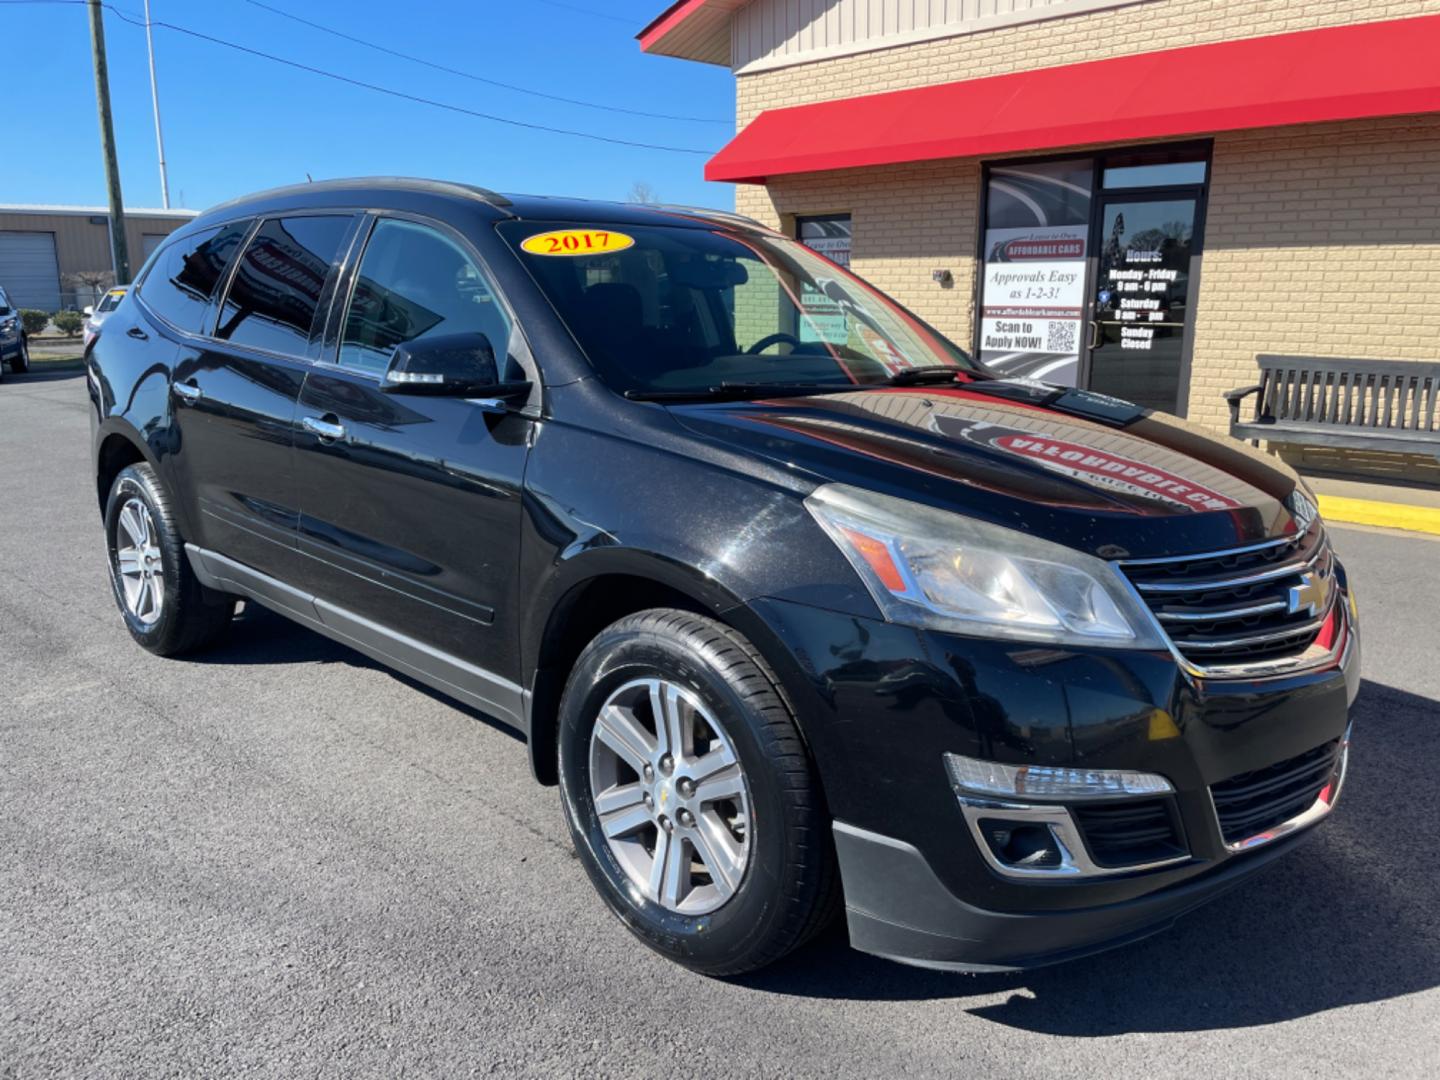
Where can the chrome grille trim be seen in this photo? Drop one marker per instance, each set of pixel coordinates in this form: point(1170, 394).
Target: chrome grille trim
point(1312, 627)
point(1246, 550)
point(1210, 616)
point(1211, 584)
point(1240, 624)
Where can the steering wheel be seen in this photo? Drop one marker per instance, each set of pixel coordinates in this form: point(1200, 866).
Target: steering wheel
point(773, 339)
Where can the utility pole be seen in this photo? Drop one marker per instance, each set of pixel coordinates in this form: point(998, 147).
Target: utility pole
point(118, 248)
point(155, 105)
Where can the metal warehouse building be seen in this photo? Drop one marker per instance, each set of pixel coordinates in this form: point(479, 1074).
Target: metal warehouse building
point(43, 247)
point(1133, 196)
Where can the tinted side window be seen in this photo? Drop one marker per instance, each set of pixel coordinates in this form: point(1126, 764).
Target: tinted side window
point(276, 288)
point(180, 282)
point(415, 282)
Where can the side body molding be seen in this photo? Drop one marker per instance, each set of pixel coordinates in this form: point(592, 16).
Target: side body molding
point(464, 681)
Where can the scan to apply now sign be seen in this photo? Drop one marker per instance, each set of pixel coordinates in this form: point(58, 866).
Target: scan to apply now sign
point(1033, 301)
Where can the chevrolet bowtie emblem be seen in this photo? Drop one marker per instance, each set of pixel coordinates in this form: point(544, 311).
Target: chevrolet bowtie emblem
point(1310, 595)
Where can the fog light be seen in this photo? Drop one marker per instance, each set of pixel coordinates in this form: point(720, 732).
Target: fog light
point(971, 776)
point(1021, 844)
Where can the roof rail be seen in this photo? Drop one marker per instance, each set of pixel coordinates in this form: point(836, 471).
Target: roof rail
point(474, 191)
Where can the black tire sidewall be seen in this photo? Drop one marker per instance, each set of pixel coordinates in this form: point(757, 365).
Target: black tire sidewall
point(721, 938)
point(138, 481)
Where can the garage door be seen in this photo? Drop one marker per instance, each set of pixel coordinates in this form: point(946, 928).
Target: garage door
point(28, 269)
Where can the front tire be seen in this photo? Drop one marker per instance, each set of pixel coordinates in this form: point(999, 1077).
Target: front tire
point(691, 799)
point(165, 608)
point(20, 364)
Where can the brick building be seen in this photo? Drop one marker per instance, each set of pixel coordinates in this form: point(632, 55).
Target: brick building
point(1137, 197)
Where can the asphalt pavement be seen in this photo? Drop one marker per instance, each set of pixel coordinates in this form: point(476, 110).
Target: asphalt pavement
point(280, 858)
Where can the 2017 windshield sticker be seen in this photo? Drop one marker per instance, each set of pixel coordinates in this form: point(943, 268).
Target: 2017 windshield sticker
point(576, 242)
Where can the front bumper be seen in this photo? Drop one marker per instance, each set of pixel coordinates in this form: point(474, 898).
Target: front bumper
point(880, 706)
point(896, 908)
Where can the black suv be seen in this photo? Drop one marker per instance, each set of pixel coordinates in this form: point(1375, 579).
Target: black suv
point(14, 345)
point(797, 603)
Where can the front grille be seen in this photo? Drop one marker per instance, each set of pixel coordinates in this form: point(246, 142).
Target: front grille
point(1253, 802)
point(1235, 607)
point(1130, 832)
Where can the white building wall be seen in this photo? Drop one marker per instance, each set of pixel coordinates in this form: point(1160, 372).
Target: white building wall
point(776, 33)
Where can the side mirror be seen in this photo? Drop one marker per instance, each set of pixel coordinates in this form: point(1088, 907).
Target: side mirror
point(450, 365)
point(89, 310)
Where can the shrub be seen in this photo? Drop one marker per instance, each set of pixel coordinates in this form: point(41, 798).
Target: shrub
point(68, 322)
point(34, 321)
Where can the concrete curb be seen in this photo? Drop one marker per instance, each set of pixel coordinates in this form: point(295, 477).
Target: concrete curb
point(1385, 515)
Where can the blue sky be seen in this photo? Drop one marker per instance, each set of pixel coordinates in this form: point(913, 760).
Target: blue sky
point(236, 123)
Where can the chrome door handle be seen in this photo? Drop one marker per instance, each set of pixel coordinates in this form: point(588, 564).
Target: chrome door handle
point(323, 429)
point(137, 333)
point(188, 392)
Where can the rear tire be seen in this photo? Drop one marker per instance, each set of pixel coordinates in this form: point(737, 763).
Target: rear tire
point(761, 820)
point(165, 608)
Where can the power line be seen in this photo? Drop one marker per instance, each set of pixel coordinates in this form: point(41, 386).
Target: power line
point(134, 20)
point(478, 78)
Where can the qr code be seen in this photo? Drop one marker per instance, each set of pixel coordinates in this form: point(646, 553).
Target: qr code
point(1060, 336)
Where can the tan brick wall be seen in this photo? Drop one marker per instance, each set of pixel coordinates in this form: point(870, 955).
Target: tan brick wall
point(1141, 27)
point(1322, 240)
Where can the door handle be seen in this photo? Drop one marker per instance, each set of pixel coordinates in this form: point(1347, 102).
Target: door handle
point(137, 333)
point(1096, 335)
point(188, 392)
point(323, 429)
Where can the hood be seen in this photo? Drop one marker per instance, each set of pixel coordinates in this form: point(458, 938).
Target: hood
point(1082, 469)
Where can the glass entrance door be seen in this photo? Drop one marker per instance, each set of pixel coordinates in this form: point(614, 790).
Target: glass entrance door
point(1141, 307)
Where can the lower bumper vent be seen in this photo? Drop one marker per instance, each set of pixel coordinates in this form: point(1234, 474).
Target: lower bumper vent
point(1131, 832)
point(1254, 802)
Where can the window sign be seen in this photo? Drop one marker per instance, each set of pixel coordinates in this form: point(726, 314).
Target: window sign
point(1037, 225)
point(824, 320)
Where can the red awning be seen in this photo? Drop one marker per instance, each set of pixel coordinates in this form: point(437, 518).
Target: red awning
point(1339, 73)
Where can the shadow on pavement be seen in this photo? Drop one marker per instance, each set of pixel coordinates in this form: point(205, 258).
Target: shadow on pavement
point(1353, 915)
point(259, 636)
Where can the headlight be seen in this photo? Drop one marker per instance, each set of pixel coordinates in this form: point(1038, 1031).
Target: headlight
point(927, 567)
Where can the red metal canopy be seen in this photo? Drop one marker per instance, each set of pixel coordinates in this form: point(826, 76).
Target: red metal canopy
point(1338, 73)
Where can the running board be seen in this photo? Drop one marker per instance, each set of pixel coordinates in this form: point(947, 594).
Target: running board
point(476, 687)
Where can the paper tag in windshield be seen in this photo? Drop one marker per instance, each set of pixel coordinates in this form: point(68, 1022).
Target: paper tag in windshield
point(576, 242)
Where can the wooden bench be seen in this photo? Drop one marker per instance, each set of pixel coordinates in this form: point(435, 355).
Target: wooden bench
point(1387, 405)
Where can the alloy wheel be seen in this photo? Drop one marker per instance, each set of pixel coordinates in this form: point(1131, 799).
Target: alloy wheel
point(138, 561)
point(671, 796)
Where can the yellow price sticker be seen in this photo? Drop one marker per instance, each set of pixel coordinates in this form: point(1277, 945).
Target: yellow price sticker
point(576, 242)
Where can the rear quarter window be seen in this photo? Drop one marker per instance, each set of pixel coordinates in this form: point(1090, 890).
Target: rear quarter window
point(183, 278)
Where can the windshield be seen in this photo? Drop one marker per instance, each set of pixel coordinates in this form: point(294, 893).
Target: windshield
point(667, 309)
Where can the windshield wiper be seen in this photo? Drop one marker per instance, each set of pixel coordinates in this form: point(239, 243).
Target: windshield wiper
point(740, 391)
point(933, 373)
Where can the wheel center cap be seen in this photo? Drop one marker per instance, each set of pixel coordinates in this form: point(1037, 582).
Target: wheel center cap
point(664, 795)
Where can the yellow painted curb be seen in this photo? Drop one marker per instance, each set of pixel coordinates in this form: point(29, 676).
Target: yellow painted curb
point(1387, 515)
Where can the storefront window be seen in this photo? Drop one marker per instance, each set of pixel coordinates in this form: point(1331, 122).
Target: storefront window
point(830, 236)
point(1163, 174)
point(1037, 226)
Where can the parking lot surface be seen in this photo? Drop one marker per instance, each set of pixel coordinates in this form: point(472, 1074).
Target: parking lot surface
point(279, 857)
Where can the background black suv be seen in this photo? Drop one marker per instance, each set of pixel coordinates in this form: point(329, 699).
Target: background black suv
point(793, 599)
point(14, 344)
